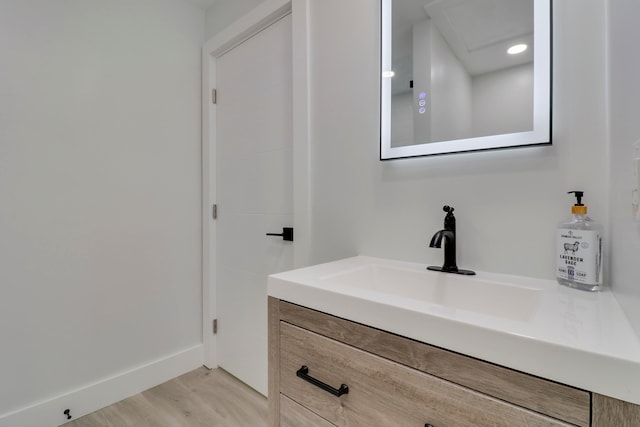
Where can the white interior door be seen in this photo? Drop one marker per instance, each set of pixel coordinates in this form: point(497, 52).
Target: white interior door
point(254, 163)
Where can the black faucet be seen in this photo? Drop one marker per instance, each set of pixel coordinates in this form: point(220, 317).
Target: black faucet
point(449, 236)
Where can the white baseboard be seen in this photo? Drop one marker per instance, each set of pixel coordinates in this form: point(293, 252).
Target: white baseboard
point(87, 399)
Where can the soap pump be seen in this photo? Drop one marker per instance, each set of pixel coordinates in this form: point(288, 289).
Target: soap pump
point(579, 249)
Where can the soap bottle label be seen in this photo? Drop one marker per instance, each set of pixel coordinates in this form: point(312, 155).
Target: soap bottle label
point(578, 255)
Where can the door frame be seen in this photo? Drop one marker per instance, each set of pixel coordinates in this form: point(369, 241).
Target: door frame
point(261, 17)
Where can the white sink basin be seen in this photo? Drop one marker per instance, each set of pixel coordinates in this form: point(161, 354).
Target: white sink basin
point(532, 325)
point(446, 289)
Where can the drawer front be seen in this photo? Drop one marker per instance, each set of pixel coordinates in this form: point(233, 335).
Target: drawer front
point(536, 394)
point(382, 392)
point(293, 414)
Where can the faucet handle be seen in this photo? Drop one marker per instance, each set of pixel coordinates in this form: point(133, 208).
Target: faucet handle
point(449, 219)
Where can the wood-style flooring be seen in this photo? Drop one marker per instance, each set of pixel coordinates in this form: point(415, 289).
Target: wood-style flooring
point(200, 398)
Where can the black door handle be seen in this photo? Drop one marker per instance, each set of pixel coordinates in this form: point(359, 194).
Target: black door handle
point(303, 373)
point(287, 234)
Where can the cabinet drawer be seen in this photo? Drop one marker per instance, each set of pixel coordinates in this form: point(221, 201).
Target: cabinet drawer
point(293, 414)
point(382, 392)
point(552, 399)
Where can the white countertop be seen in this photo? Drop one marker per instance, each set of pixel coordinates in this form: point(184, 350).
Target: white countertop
point(578, 338)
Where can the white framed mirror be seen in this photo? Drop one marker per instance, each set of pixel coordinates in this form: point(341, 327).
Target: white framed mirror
point(448, 84)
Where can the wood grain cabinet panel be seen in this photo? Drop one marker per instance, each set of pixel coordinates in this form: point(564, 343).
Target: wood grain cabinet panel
point(385, 393)
point(396, 381)
point(293, 414)
point(608, 412)
point(547, 397)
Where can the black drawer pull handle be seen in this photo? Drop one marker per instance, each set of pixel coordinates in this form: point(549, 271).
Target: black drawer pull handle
point(303, 373)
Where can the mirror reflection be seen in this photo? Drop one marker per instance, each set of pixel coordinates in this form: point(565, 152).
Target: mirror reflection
point(465, 71)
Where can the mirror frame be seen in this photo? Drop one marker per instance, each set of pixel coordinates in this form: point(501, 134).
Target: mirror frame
point(542, 62)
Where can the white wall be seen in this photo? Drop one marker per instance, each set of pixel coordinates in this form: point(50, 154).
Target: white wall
point(624, 99)
point(507, 202)
point(503, 101)
point(402, 119)
point(100, 247)
point(451, 90)
point(422, 83)
point(225, 12)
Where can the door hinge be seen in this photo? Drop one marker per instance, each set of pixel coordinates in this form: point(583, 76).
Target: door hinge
point(214, 211)
point(215, 326)
point(214, 96)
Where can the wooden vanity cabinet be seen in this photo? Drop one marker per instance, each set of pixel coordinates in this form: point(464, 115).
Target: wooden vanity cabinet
point(293, 414)
point(396, 381)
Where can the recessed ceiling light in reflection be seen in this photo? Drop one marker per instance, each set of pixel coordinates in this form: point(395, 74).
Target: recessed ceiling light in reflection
point(388, 74)
point(516, 49)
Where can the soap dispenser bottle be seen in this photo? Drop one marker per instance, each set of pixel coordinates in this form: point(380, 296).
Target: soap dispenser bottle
point(579, 249)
